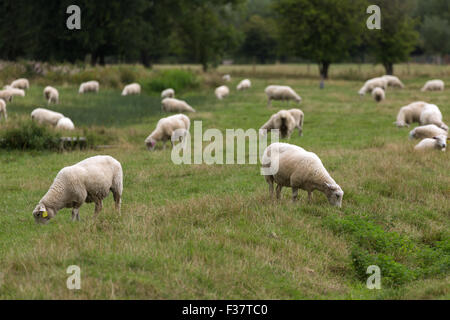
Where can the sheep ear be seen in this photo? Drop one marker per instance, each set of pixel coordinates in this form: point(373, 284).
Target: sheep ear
point(435, 138)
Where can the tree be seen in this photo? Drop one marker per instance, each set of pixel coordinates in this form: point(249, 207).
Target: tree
point(259, 39)
point(397, 37)
point(323, 31)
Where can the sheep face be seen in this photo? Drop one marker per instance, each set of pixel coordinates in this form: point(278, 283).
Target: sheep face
point(150, 144)
point(334, 194)
point(42, 215)
point(441, 142)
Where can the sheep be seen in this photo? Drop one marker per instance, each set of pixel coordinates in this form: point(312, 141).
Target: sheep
point(15, 91)
point(45, 116)
point(409, 114)
point(3, 109)
point(378, 94)
point(433, 85)
point(226, 78)
point(283, 121)
point(65, 124)
point(21, 84)
point(432, 115)
point(275, 92)
point(221, 92)
point(134, 88)
point(51, 95)
point(165, 128)
point(175, 105)
point(6, 95)
point(168, 93)
point(299, 117)
point(438, 142)
point(299, 169)
point(90, 86)
point(90, 180)
point(393, 81)
point(244, 84)
point(427, 131)
point(371, 84)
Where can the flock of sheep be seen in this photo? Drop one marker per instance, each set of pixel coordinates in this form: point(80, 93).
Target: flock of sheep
point(92, 179)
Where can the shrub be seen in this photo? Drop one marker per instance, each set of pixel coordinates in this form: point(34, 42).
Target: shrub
point(179, 80)
point(29, 136)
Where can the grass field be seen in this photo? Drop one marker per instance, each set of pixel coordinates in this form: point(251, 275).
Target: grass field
point(211, 231)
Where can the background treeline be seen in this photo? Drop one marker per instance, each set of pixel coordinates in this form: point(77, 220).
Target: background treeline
point(211, 31)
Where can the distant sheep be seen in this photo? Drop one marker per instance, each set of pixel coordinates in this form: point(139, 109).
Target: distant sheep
point(378, 94)
point(427, 131)
point(168, 93)
point(244, 85)
point(371, 84)
point(221, 92)
point(226, 78)
point(165, 128)
point(6, 95)
point(65, 124)
point(432, 115)
point(409, 114)
point(51, 95)
point(433, 85)
point(134, 88)
point(285, 121)
point(393, 81)
point(90, 86)
point(299, 169)
point(90, 180)
point(45, 116)
point(21, 84)
point(3, 109)
point(175, 105)
point(437, 142)
point(284, 93)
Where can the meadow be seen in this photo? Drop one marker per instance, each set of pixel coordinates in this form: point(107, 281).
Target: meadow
point(212, 231)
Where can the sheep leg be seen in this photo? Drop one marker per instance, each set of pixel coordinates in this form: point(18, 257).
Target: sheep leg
point(309, 196)
point(294, 194)
point(76, 214)
point(117, 200)
point(269, 103)
point(279, 187)
point(98, 207)
point(270, 189)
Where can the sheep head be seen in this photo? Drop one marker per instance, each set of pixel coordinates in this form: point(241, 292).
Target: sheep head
point(42, 214)
point(334, 194)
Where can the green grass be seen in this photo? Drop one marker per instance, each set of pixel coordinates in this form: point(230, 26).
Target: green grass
point(211, 232)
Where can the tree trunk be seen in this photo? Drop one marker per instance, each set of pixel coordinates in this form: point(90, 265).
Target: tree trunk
point(389, 67)
point(93, 58)
point(145, 59)
point(102, 59)
point(323, 69)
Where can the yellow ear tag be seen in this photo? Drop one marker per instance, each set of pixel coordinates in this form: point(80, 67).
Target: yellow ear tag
point(44, 214)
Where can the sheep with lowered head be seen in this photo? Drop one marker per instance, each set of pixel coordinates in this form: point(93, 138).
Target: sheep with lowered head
point(432, 115)
point(226, 78)
point(285, 121)
point(133, 88)
point(165, 128)
point(90, 180)
point(299, 117)
point(45, 116)
point(378, 94)
point(427, 131)
point(221, 92)
point(3, 109)
point(21, 84)
point(393, 81)
point(371, 84)
point(175, 105)
point(437, 142)
point(65, 124)
point(6, 95)
point(298, 169)
point(51, 95)
point(409, 114)
point(433, 85)
point(244, 85)
point(89, 86)
point(284, 93)
point(168, 93)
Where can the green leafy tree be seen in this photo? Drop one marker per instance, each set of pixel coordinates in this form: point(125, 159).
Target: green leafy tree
point(260, 40)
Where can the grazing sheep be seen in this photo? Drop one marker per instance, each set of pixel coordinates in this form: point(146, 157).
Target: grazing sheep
point(51, 95)
point(134, 88)
point(409, 114)
point(175, 105)
point(165, 128)
point(427, 131)
point(432, 115)
point(90, 180)
point(393, 81)
point(221, 92)
point(45, 116)
point(433, 85)
point(283, 121)
point(300, 169)
point(281, 93)
point(90, 86)
point(15, 91)
point(244, 84)
point(168, 93)
point(6, 95)
point(299, 117)
point(65, 124)
point(378, 94)
point(437, 142)
point(21, 84)
point(226, 78)
point(3, 109)
point(371, 84)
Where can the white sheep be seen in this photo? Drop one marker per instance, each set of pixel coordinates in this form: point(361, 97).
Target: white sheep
point(432, 115)
point(168, 93)
point(437, 142)
point(6, 95)
point(51, 95)
point(299, 169)
point(226, 78)
point(90, 180)
point(244, 85)
point(393, 81)
point(175, 105)
point(299, 117)
point(90, 86)
point(409, 114)
point(427, 131)
point(285, 121)
point(65, 124)
point(165, 128)
point(221, 92)
point(371, 84)
point(284, 93)
point(433, 85)
point(45, 116)
point(378, 94)
point(3, 109)
point(134, 88)
point(21, 84)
